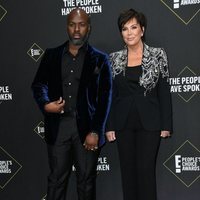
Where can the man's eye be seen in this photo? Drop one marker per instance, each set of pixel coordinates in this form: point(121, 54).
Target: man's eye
point(83, 24)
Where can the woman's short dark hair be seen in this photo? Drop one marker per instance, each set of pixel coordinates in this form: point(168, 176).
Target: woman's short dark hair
point(127, 15)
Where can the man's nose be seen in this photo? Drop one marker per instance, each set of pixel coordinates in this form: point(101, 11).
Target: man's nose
point(77, 28)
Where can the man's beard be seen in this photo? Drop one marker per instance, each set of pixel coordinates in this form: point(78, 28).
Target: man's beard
point(80, 41)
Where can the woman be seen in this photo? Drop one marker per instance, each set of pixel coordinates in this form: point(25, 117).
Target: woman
point(141, 107)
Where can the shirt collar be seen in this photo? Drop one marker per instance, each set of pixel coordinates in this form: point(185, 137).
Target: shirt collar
point(82, 49)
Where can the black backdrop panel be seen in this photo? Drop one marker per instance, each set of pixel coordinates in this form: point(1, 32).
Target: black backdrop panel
point(29, 27)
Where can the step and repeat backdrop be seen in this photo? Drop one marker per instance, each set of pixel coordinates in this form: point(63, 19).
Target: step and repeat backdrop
point(28, 27)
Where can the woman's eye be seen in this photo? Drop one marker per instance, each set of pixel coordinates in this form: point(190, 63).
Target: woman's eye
point(134, 27)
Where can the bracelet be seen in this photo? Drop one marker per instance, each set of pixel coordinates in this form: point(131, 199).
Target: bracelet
point(94, 134)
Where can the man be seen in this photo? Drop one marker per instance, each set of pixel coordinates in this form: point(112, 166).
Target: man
point(73, 89)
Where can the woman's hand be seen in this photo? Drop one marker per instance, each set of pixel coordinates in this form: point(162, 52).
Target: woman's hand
point(110, 135)
point(165, 134)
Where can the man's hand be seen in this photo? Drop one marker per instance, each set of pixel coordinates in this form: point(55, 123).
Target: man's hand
point(91, 141)
point(55, 106)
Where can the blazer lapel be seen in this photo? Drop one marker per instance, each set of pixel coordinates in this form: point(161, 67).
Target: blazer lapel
point(58, 65)
point(87, 70)
point(88, 66)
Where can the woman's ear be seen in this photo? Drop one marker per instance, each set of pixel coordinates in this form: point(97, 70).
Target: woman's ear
point(143, 29)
